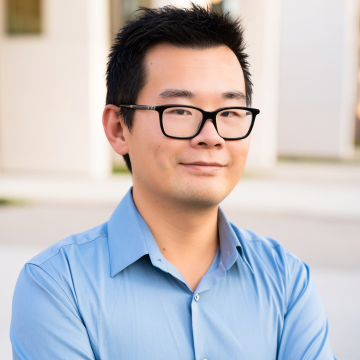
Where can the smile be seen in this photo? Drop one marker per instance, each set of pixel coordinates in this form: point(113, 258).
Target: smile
point(202, 166)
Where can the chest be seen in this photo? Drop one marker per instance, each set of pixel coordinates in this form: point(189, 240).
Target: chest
point(155, 316)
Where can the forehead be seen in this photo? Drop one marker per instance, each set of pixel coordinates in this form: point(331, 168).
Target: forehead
point(217, 67)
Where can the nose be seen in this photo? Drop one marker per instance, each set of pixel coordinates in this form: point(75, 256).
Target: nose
point(208, 137)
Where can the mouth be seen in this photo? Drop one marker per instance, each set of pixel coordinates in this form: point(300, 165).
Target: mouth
point(204, 167)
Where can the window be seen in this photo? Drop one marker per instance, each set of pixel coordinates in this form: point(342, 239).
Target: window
point(23, 17)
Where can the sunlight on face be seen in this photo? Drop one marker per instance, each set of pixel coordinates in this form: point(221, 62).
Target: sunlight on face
point(201, 171)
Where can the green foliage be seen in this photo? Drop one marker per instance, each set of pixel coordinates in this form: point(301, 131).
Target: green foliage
point(4, 202)
point(120, 169)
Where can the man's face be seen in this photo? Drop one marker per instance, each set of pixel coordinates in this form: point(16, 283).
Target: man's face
point(201, 171)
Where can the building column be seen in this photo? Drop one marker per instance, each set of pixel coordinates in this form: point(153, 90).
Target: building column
point(261, 19)
point(98, 51)
point(52, 91)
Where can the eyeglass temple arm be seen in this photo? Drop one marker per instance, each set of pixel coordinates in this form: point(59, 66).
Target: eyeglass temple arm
point(138, 107)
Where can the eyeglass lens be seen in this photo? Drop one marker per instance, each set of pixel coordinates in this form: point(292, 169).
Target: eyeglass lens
point(185, 122)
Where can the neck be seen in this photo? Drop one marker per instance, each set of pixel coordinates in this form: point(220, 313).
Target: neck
point(186, 236)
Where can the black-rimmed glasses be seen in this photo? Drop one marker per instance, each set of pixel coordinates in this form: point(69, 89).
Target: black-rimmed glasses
point(186, 122)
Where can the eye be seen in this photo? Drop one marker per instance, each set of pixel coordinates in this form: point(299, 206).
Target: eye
point(228, 113)
point(180, 112)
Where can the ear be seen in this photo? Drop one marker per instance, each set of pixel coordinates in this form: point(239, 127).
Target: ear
point(116, 131)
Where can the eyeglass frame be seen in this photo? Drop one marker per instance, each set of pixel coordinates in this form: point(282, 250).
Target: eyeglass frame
point(207, 115)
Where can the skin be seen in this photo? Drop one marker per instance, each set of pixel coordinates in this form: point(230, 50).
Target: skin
point(178, 184)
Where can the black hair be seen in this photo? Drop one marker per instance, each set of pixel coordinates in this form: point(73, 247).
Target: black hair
point(196, 27)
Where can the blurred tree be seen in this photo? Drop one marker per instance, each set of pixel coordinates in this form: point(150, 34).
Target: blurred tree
point(23, 17)
point(123, 11)
point(217, 5)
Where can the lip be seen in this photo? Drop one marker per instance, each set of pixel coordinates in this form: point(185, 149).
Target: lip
point(203, 166)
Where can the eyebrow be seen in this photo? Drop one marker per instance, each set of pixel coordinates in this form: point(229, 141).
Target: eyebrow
point(178, 93)
point(237, 95)
point(173, 93)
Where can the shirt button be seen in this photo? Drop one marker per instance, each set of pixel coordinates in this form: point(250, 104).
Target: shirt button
point(196, 298)
point(205, 359)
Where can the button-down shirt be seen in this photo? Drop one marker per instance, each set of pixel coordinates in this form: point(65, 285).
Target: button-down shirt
point(109, 294)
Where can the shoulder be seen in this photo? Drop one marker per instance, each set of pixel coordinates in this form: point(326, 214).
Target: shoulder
point(54, 289)
point(73, 243)
point(264, 248)
point(67, 266)
point(272, 260)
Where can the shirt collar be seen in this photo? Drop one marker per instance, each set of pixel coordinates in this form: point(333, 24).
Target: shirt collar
point(125, 236)
point(230, 243)
point(130, 239)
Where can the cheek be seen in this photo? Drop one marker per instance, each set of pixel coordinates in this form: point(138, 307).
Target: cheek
point(165, 152)
point(238, 151)
point(151, 149)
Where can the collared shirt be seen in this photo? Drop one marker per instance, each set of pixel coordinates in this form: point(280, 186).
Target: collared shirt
point(109, 294)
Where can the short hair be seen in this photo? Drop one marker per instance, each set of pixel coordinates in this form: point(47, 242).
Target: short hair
point(196, 27)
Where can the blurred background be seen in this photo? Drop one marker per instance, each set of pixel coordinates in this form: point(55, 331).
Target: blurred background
point(58, 175)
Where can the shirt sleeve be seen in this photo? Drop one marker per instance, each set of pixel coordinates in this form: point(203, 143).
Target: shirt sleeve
point(305, 331)
point(45, 321)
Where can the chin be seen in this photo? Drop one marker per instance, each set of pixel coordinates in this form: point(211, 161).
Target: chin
point(201, 196)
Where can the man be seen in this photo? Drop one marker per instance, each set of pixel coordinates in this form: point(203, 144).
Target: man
point(168, 277)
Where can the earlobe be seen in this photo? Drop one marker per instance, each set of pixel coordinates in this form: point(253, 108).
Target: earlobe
point(115, 129)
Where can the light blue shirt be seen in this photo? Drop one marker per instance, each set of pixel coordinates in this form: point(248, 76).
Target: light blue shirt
point(109, 294)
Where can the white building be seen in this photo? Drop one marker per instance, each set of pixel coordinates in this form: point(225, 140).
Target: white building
point(318, 78)
point(304, 61)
